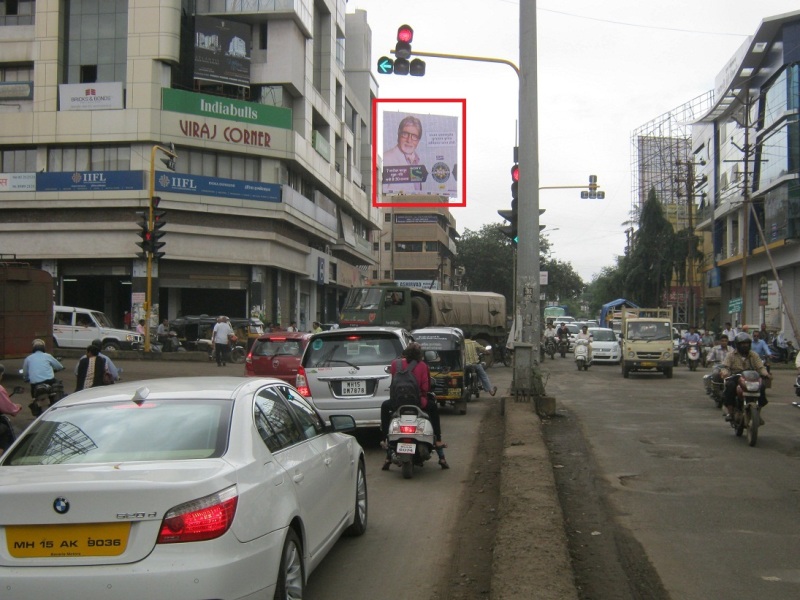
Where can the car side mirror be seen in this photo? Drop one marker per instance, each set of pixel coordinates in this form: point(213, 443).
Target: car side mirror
point(343, 423)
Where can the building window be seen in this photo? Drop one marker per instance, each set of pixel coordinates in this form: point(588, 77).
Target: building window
point(262, 36)
point(215, 164)
point(376, 246)
point(89, 158)
point(17, 12)
point(387, 246)
point(431, 246)
point(16, 73)
point(375, 274)
point(95, 41)
point(19, 160)
point(387, 275)
point(408, 247)
point(387, 218)
point(88, 73)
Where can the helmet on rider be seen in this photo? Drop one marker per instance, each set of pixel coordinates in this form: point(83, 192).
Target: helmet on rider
point(743, 342)
point(38, 344)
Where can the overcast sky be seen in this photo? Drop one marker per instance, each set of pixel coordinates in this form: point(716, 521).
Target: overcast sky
point(605, 69)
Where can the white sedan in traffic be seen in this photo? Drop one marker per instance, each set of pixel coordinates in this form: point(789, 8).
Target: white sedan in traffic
point(605, 345)
point(184, 488)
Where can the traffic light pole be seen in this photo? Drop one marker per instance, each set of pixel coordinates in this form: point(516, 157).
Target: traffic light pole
point(148, 301)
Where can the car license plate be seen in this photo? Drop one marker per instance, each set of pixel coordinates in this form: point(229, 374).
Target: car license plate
point(52, 541)
point(354, 388)
point(648, 365)
point(405, 448)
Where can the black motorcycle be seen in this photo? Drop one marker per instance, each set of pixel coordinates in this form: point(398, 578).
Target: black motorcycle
point(45, 394)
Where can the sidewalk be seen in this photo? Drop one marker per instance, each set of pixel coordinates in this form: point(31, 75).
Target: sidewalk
point(531, 556)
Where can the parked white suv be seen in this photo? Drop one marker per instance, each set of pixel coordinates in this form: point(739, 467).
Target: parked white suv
point(75, 327)
point(346, 371)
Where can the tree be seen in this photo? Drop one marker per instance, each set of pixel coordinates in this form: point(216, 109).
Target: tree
point(488, 260)
point(652, 259)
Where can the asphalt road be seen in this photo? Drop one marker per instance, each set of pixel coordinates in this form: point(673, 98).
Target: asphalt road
point(715, 517)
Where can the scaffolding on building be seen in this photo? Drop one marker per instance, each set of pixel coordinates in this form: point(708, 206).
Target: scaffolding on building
point(660, 152)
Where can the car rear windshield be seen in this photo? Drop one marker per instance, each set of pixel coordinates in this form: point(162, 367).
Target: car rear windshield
point(126, 432)
point(600, 335)
point(278, 347)
point(359, 350)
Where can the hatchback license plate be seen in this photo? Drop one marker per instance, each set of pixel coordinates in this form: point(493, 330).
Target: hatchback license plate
point(55, 541)
point(648, 365)
point(405, 448)
point(354, 388)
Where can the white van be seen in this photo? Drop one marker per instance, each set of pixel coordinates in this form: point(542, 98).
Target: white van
point(75, 327)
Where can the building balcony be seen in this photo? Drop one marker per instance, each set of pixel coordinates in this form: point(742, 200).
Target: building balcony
point(258, 10)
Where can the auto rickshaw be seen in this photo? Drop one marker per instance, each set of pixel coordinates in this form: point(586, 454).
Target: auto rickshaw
point(194, 331)
point(443, 349)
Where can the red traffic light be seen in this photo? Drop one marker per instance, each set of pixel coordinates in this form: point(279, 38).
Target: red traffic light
point(405, 34)
point(515, 173)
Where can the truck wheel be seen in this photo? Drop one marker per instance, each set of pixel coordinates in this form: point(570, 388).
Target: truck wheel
point(668, 372)
point(110, 346)
point(420, 313)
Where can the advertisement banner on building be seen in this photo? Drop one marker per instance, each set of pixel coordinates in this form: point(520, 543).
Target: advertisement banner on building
point(223, 134)
point(91, 96)
point(222, 51)
point(17, 182)
point(772, 311)
point(204, 105)
point(90, 181)
point(199, 185)
point(416, 219)
point(420, 154)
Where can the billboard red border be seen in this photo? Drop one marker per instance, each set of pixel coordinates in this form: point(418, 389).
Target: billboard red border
point(462, 167)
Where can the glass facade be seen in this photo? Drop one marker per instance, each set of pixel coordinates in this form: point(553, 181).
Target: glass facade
point(96, 40)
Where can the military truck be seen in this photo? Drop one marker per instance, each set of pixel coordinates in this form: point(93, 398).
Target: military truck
point(26, 308)
point(646, 337)
point(481, 316)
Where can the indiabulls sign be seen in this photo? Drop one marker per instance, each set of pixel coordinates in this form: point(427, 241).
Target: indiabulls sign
point(204, 117)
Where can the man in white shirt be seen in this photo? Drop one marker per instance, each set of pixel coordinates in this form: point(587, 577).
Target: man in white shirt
point(219, 337)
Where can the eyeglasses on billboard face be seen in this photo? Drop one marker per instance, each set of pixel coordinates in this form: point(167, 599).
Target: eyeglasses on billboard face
point(407, 135)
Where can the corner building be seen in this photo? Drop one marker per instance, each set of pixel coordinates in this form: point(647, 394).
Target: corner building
point(267, 105)
point(746, 152)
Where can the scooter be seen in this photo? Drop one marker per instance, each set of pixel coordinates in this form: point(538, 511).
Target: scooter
point(692, 355)
point(7, 435)
point(410, 440)
point(563, 346)
point(747, 412)
point(582, 360)
point(550, 347)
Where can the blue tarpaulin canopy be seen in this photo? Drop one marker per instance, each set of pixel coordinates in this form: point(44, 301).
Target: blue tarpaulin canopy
point(614, 304)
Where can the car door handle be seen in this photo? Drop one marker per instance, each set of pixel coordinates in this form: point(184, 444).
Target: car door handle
point(298, 477)
point(328, 461)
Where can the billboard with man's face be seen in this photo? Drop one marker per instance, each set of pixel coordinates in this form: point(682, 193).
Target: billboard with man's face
point(420, 154)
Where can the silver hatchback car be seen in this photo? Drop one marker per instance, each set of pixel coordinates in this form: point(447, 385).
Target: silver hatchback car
point(346, 371)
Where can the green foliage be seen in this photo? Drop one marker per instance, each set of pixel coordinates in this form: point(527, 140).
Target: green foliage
point(488, 260)
point(651, 261)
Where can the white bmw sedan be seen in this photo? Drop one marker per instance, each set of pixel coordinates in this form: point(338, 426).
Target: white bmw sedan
point(184, 488)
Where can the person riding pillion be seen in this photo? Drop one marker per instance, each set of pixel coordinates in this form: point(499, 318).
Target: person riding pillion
point(742, 359)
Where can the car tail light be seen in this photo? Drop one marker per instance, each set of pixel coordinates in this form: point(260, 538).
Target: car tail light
point(408, 429)
point(202, 519)
point(301, 383)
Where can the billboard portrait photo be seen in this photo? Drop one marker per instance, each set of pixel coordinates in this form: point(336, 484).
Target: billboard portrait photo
point(420, 154)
